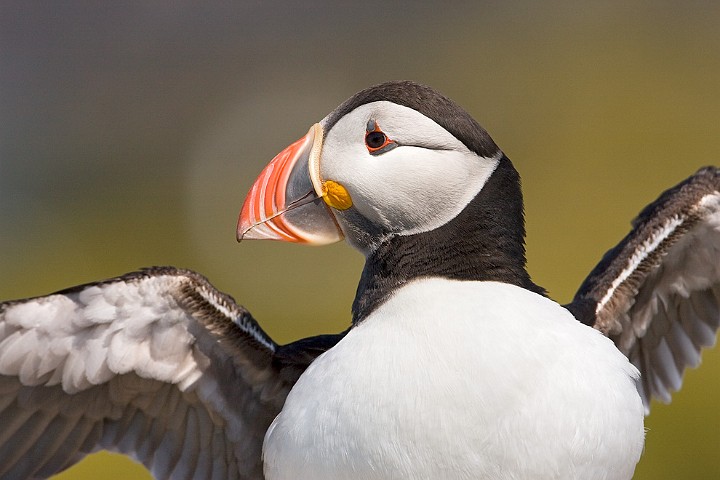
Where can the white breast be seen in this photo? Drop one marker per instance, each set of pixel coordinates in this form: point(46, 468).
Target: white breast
point(462, 380)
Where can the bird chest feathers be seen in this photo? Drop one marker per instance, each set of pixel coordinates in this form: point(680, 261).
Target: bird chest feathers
point(385, 402)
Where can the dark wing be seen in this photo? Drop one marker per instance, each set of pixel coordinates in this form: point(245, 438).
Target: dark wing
point(657, 293)
point(156, 364)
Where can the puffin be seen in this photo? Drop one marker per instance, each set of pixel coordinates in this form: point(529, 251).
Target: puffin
point(456, 365)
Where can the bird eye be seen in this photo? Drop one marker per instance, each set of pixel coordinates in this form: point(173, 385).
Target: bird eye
point(376, 141)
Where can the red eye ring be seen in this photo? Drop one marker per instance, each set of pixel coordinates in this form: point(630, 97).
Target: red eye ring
point(375, 139)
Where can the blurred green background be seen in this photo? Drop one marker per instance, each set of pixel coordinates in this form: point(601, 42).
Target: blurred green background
point(131, 131)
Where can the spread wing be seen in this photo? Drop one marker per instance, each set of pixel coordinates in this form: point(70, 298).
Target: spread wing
point(657, 293)
point(156, 364)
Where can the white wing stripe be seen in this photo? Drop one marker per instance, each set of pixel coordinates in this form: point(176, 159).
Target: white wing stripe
point(235, 316)
point(638, 256)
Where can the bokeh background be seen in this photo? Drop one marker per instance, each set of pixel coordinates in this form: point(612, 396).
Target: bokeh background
point(131, 131)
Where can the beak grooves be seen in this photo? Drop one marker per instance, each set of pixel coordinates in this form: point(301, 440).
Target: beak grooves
point(284, 202)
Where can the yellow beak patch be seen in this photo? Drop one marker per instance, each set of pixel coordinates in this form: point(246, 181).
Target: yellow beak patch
point(336, 196)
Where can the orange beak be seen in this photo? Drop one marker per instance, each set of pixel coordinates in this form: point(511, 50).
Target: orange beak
point(283, 204)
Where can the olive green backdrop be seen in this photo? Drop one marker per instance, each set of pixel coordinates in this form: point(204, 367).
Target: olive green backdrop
point(130, 133)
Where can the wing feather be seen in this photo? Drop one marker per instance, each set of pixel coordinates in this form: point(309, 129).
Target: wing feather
point(656, 293)
point(156, 364)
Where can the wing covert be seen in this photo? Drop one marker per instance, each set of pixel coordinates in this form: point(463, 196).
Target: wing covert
point(156, 364)
point(657, 293)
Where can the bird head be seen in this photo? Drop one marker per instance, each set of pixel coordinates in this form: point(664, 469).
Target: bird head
point(395, 159)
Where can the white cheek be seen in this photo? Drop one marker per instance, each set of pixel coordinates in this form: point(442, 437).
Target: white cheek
point(410, 189)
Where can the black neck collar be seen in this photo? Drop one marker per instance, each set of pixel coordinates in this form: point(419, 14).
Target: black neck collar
point(486, 241)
